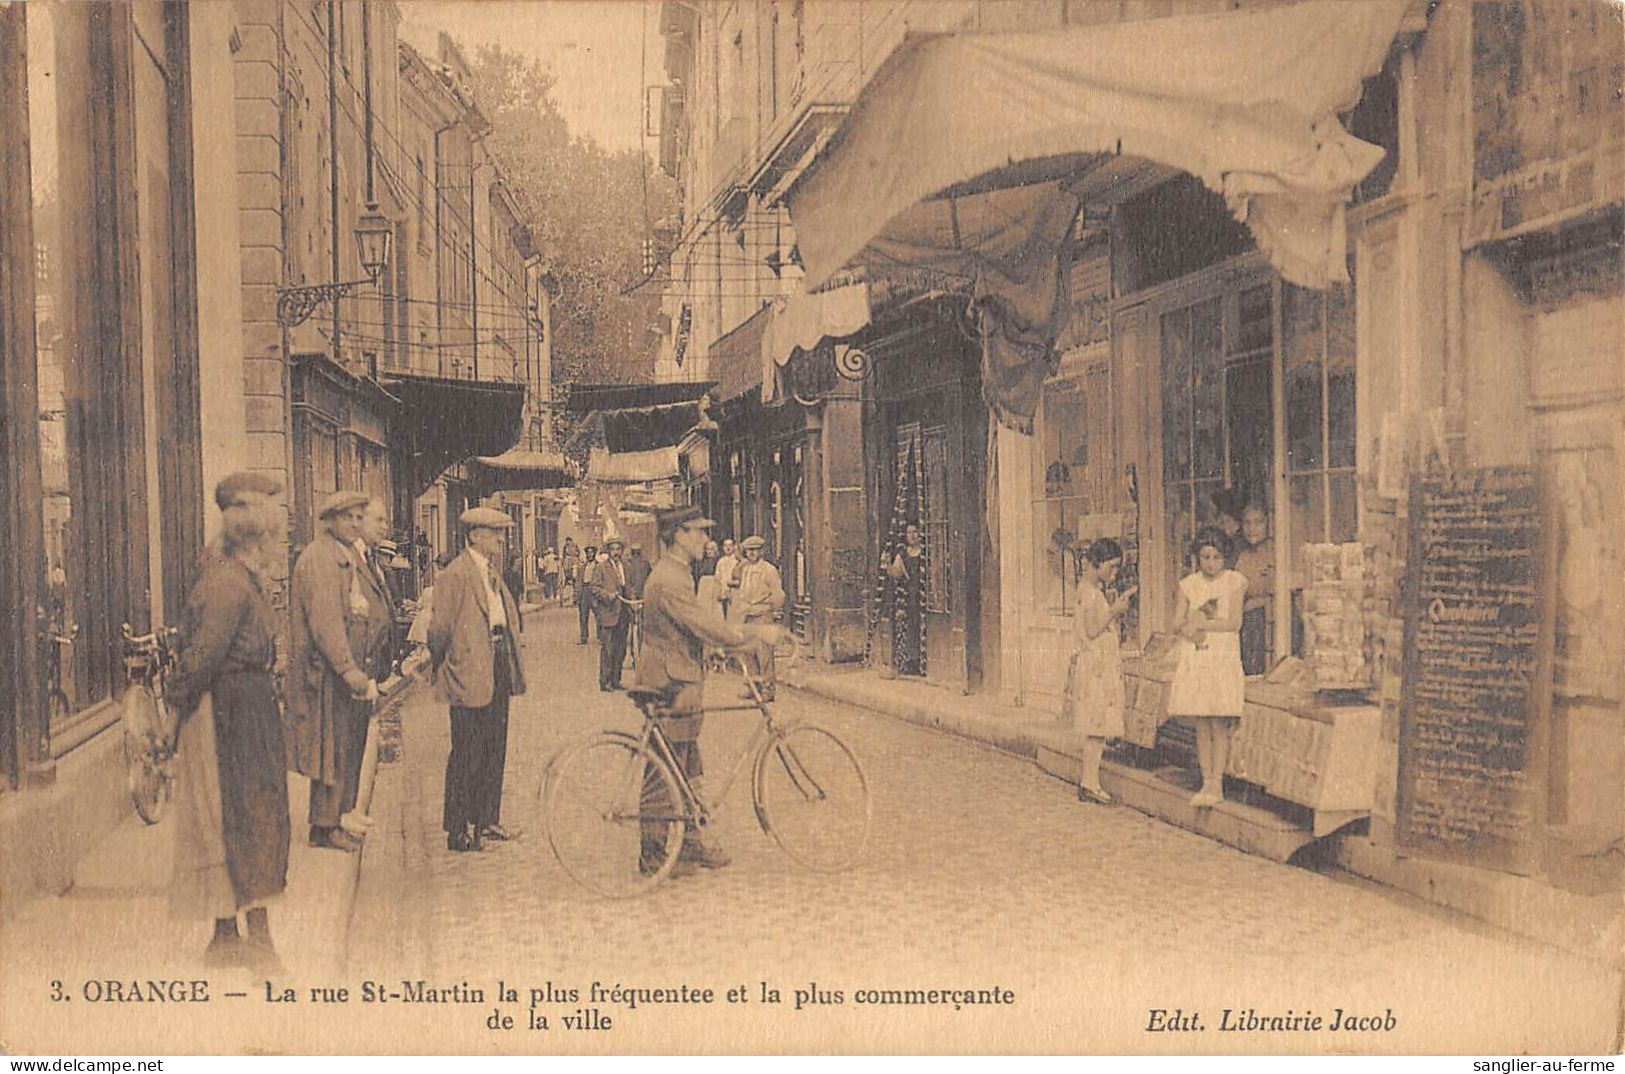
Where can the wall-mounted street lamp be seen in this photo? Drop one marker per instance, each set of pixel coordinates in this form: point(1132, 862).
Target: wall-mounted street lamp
point(374, 235)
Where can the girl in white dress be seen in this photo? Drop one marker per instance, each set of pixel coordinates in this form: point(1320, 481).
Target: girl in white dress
point(1095, 681)
point(1209, 689)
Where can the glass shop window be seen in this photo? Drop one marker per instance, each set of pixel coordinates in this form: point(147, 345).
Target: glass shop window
point(1073, 481)
point(63, 501)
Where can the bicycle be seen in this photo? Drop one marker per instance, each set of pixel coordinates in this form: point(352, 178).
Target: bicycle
point(149, 732)
point(618, 806)
point(58, 707)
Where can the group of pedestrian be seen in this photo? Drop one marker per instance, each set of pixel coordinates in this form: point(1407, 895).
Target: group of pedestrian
point(1221, 620)
point(233, 827)
point(742, 585)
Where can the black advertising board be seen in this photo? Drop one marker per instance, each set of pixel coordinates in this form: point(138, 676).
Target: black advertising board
point(1472, 669)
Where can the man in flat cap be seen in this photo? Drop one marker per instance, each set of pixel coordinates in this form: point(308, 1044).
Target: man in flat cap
point(609, 587)
point(757, 600)
point(474, 653)
point(677, 630)
point(329, 692)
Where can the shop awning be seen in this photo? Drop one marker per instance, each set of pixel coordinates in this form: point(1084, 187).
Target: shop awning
point(1246, 102)
point(802, 321)
point(517, 470)
point(736, 358)
point(632, 467)
point(444, 420)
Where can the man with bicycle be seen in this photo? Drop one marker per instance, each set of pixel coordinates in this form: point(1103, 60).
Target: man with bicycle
point(677, 631)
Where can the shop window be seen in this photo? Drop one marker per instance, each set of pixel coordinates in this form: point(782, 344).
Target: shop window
point(1318, 356)
point(1073, 481)
point(66, 566)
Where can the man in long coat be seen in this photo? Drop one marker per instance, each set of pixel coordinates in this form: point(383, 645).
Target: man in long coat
point(474, 653)
point(329, 692)
point(609, 585)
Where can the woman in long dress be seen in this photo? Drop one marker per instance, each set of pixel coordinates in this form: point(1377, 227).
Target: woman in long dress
point(907, 572)
point(1095, 696)
point(232, 823)
point(1209, 689)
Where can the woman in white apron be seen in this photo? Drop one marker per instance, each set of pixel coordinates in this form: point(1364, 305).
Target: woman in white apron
point(1209, 689)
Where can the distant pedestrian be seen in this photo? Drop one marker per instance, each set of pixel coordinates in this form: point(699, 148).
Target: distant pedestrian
point(584, 593)
point(549, 569)
point(1209, 689)
point(609, 606)
point(474, 653)
point(329, 693)
point(569, 566)
point(757, 602)
point(232, 827)
point(1094, 693)
point(727, 572)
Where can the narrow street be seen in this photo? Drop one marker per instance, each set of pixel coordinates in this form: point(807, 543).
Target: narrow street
point(981, 871)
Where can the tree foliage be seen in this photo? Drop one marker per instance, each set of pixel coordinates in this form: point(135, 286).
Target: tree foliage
point(589, 210)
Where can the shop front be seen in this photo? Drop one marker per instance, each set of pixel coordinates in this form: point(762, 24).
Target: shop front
point(925, 443)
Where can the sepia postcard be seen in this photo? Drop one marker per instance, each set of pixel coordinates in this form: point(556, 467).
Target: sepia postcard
point(812, 527)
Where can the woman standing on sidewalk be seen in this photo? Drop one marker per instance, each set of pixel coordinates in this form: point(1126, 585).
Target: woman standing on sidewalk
point(1209, 689)
point(232, 824)
point(1095, 680)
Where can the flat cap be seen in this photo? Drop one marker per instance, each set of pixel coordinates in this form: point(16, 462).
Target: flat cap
point(229, 492)
point(690, 515)
point(486, 518)
point(753, 542)
point(343, 500)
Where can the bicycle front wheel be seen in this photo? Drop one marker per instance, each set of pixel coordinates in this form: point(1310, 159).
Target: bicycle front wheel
point(812, 798)
point(144, 773)
point(614, 816)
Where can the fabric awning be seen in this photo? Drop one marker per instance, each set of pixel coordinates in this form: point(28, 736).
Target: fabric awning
point(443, 420)
point(802, 321)
point(1247, 102)
point(632, 467)
point(517, 470)
point(736, 358)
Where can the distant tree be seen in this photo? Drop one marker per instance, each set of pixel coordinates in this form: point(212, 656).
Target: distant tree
point(589, 210)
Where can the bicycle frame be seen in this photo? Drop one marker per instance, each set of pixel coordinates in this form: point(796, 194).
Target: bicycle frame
point(695, 807)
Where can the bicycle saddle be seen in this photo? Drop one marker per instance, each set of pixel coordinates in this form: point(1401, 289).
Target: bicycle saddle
point(646, 699)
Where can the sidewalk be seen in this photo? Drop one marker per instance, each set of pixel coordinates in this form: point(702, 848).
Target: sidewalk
point(114, 921)
point(1593, 926)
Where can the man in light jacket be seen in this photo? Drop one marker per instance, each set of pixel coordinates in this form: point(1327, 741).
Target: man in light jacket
point(756, 602)
point(474, 654)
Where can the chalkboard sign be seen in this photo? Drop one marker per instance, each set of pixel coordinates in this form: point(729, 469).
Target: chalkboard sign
point(1472, 665)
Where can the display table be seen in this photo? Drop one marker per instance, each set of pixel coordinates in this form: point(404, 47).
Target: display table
point(1316, 750)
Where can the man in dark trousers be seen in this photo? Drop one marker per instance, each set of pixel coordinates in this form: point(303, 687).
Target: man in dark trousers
point(584, 597)
point(608, 587)
point(677, 629)
point(474, 653)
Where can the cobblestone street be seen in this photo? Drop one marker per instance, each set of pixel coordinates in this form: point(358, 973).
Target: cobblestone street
point(981, 871)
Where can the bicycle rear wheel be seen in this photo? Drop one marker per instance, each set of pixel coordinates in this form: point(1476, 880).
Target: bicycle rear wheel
point(812, 798)
point(144, 773)
point(614, 816)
